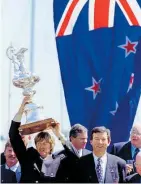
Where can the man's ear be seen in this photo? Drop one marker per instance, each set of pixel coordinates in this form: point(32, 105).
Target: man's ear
point(71, 138)
point(109, 142)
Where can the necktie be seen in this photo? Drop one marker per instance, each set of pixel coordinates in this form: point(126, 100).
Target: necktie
point(135, 153)
point(99, 170)
point(18, 175)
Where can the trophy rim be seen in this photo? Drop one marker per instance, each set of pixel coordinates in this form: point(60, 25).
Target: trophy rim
point(35, 127)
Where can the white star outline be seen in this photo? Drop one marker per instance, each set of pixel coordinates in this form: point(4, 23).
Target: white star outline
point(130, 84)
point(90, 88)
point(114, 111)
point(122, 46)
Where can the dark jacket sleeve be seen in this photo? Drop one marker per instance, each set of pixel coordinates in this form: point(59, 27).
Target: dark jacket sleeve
point(16, 141)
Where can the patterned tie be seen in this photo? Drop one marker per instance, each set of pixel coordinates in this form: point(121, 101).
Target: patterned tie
point(99, 170)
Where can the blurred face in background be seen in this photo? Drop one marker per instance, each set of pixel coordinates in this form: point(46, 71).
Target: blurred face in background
point(135, 135)
point(10, 156)
point(138, 163)
point(80, 141)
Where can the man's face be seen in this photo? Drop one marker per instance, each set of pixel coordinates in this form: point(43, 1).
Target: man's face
point(44, 148)
point(10, 155)
point(135, 136)
point(138, 164)
point(100, 142)
point(80, 141)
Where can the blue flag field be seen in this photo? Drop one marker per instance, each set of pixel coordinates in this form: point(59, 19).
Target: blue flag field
point(99, 51)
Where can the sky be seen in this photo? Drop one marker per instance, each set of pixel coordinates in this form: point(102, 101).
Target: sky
point(29, 24)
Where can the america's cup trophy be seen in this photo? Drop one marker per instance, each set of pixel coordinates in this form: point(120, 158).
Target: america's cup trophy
point(35, 121)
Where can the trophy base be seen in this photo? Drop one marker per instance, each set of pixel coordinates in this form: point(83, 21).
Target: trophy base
point(34, 127)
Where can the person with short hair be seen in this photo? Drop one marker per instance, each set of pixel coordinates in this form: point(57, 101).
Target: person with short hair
point(128, 150)
point(31, 159)
point(25, 139)
point(136, 177)
point(73, 151)
point(99, 166)
point(10, 171)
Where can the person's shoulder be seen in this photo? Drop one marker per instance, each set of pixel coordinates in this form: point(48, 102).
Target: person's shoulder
point(86, 157)
point(131, 177)
point(87, 151)
point(116, 159)
point(119, 144)
point(59, 155)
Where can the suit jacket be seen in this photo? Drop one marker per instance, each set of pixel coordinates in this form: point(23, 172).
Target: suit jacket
point(122, 150)
point(134, 178)
point(68, 166)
point(115, 170)
point(3, 161)
point(7, 176)
point(30, 160)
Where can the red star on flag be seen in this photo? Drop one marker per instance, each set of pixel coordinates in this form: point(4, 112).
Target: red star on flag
point(129, 47)
point(131, 82)
point(95, 88)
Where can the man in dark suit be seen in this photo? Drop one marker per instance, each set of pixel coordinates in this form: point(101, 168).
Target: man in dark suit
point(10, 171)
point(129, 150)
point(31, 159)
point(136, 177)
point(73, 150)
point(99, 166)
point(7, 176)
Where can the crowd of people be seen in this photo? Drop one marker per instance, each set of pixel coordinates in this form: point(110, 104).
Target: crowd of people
point(73, 164)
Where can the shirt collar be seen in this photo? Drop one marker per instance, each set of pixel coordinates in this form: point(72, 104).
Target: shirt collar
point(103, 158)
point(49, 157)
point(133, 148)
point(79, 152)
point(14, 167)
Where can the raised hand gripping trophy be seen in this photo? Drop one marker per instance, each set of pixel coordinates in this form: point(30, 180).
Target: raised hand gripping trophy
point(35, 121)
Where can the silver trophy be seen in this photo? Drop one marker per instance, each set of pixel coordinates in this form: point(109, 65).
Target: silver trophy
point(35, 121)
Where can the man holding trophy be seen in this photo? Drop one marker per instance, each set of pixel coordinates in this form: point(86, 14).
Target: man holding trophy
point(31, 159)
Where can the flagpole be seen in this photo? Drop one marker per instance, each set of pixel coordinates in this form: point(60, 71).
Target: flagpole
point(32, 32)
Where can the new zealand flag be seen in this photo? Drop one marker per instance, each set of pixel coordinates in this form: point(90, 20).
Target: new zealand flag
point(99, 50)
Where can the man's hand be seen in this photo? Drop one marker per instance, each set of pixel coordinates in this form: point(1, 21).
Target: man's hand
point(25, 101)
point(55, 127)
point(129, 168)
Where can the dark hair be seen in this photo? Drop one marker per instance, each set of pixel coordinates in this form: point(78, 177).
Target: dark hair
point(100, 129)
point(45, 136)
point(8, 144)
point(77, 129)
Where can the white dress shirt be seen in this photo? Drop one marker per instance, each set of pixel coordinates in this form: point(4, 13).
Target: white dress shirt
point(103, 162)
point(78, 152)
